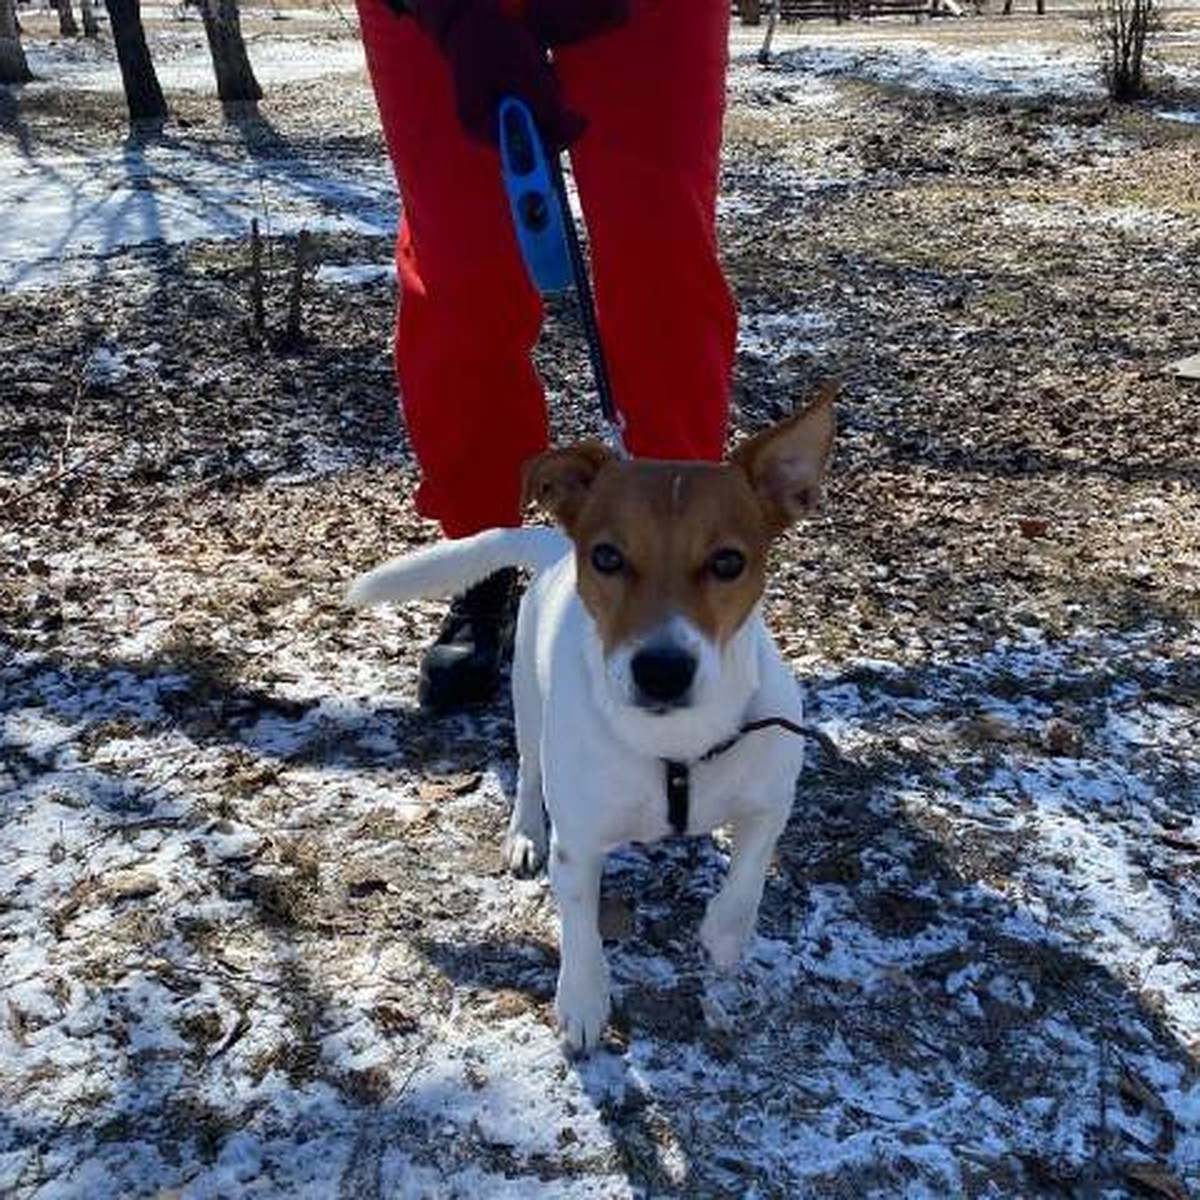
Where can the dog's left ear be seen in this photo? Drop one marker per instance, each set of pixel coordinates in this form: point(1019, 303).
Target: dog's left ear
point(786, 463)
point(559, 480)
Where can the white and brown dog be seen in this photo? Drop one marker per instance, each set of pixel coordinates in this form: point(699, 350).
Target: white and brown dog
point(640, 657)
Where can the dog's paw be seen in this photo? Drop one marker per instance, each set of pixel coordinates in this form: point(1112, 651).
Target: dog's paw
point(582, 1012)
point(522, 853)
point(726, 935)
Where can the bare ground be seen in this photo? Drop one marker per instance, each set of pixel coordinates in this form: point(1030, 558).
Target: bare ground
point(256, 936)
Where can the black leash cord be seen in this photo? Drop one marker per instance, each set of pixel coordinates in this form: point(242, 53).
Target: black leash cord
point(587, 309)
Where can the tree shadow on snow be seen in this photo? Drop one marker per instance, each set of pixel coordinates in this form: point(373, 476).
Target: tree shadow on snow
point(899, 1020)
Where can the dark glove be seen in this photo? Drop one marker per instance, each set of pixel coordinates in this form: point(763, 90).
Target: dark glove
point(491, 56)
point(561, 22)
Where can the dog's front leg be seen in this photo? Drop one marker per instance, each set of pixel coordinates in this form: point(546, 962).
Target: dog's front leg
point(732, 913)
point(583, 990)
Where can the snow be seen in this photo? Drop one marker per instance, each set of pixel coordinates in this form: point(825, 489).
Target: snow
point(497, 1082)
point(183, 63)
point(1018, 68)
point(777, 336)
point(355, 274)
point(68, 214)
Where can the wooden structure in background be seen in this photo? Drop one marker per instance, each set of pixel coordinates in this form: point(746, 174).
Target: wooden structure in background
point(751, 12)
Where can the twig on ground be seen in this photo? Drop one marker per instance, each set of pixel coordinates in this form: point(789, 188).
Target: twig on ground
point(15, 501)
point(69, 435)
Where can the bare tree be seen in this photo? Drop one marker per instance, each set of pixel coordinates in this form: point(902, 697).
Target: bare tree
point(67, 25)
point(231, 64)
point(13, 66)
point(143, 95)
point(91, 27)
point(1124, 29)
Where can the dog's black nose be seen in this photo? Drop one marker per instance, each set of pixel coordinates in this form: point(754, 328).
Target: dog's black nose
point(663, 674)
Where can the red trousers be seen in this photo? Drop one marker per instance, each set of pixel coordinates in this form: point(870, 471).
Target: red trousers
point(653, 93)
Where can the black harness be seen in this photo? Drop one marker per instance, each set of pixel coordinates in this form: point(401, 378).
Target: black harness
point(679, 777)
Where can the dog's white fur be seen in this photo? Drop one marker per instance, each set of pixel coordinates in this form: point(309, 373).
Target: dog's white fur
point(593, 759)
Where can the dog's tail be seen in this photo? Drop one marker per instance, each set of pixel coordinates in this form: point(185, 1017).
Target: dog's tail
point(446, 568)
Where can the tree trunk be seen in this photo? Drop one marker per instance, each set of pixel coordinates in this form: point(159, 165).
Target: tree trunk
point(143, 95)
point(91, 27)
point(750, 11)
point(231, 64)
point(764, 54)
point(67, 26)
point(13, 67)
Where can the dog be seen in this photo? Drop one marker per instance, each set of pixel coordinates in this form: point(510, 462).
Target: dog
point(648, 695)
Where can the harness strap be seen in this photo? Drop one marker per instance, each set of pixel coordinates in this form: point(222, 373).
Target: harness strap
point(679, 777)
point(679, 786)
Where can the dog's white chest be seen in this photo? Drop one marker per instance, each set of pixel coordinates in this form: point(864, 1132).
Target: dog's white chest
point(610, 797)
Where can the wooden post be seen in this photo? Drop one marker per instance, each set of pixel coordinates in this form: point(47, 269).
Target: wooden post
point(258, 316)
point(296, 291)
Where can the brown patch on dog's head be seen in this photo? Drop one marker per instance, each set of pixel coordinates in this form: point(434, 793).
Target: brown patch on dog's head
point(656, 540)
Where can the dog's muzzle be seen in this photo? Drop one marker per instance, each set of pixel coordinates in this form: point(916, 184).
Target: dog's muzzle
point(663, 677)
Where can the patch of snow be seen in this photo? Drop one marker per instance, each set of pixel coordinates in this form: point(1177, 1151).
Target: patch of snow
point(75, 211)
point(780, 335)
point(36, 733)
point(1184, 116)
point(1130, 220)
point(355, 274)
point(1017, 68)
point(183, 63)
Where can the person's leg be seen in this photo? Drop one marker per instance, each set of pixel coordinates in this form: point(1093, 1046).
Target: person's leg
point(467, 320)
point(653, 93)
point(468, 315)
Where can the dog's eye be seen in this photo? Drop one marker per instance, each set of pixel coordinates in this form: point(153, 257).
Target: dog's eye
point(607, 559)
point(726, 564)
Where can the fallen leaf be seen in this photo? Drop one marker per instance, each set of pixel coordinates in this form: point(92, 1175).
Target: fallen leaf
point(441, 787)
point(1062, 739)
point(616, 918)
point(131, 885)
point(1156, 1180)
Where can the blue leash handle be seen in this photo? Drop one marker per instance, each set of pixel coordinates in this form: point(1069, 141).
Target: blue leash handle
point(549, 241)
point(537, 213)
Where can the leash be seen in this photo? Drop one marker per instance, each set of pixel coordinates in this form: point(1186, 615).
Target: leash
point(549, 240)
point(678, 773)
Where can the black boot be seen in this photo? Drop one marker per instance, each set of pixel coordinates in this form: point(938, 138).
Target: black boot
point(462, 667)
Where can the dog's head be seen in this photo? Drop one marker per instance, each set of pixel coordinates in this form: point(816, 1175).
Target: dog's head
point(671, 556)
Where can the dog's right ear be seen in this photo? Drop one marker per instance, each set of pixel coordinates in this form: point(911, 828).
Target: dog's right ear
point(559, 480)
